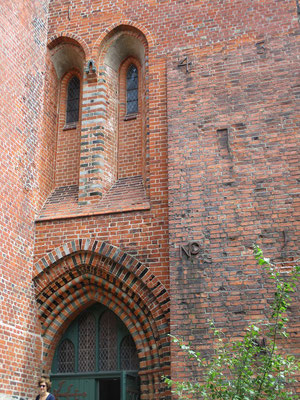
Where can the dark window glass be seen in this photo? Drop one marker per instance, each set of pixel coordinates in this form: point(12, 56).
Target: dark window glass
point(96, 341)
point(66, 357)
point(73, 100)
point(128, 354)
point(108, 357)
point(87, 343)
point(132, 89)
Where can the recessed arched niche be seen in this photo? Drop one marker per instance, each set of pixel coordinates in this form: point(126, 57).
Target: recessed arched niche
point(68, 61)
point(67, 56)
point(124, 44)
point(123, 64)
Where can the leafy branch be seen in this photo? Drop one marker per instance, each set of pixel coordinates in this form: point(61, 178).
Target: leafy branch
point(251, 368)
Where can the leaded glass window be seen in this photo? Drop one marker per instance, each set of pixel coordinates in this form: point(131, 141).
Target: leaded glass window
point(73, 100)
point(108, 343)
point(66, 357)
point(132, 90)
point(87, 343)
point(128, 354)
point(96, 341)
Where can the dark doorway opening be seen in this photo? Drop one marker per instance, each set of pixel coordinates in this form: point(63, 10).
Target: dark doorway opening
point(109, 389)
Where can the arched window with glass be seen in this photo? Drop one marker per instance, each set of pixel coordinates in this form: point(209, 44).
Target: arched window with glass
point(128, 354)
point(97, 356)
point(108, 342)
point(132, 90)
point(86, 343)
point(66, 358)
point(73, 98)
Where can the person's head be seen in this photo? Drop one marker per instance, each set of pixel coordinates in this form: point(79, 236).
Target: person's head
point(44, 384)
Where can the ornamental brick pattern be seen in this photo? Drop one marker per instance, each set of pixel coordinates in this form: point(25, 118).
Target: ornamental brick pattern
point(82, 272)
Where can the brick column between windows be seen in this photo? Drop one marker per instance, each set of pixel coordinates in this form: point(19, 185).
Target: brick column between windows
point(92, 151)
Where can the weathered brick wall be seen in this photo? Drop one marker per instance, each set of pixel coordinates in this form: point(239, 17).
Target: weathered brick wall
point(22, 51)
point(109, 146)
point(233, 169)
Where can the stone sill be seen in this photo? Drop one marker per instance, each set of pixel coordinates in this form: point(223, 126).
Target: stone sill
point(126, 194)
point(70, 126)
point(130, 117)
point(140, 207)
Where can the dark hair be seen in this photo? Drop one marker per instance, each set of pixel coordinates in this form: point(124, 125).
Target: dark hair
point(46, 381)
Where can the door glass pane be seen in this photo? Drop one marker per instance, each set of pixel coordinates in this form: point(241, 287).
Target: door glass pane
point(87, 343)
point(128, 354)
point(96, 337)
point(66, 357)
point(108, 360)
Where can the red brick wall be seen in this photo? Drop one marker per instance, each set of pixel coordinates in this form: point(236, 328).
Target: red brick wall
point(149, 242)
point(111, 150)
point(22, 190)
point(232, 136)
point(143, 234)
point(48, 137)
point(130, 129)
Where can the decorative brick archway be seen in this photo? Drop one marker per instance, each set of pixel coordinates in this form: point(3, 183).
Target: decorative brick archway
point(83, 272)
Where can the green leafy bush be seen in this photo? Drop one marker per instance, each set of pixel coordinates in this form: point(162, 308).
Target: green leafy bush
point(251, 368)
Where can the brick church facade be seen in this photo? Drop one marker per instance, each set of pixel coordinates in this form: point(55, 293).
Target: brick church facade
point(145, 146)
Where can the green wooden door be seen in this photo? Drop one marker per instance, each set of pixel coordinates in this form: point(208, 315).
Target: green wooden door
point(73, 388)
point(96, 359)
point(124, 387)
point(131, 383)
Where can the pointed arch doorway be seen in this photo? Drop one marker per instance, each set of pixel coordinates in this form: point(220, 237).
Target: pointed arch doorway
point(85, 273)
point(96, 358)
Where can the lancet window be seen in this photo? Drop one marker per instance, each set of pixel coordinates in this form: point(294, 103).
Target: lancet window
point(97, 341)
point(132, 90)
point(73, 100)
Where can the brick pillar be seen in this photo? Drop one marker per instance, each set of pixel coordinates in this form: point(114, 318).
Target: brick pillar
point(98, 139)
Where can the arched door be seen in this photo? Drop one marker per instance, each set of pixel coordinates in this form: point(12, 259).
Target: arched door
point(96, 359)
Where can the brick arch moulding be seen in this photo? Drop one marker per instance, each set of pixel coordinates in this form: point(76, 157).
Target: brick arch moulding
point(71, 38)
point(66, 54)
point(125, 25)
point(83, 272)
